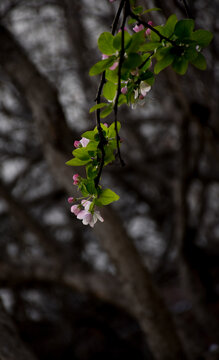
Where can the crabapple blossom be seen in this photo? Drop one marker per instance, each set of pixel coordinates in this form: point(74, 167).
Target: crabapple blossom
point(89, 218)
point(76, 143)
point(148, 31)
point(138, 28)
point(124, 90)
point(84, 142)
point(144, 88)
point(76, 179)
point(76, 209)
point(71, 200)
point(105, 124)
point(104, 56)
point(114, 66)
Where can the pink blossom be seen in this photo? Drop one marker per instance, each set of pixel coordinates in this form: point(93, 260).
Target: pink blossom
point(84, 142)
point(112, 0)
point(89, 218)
point(148, 31)
point(71, 200)
point(138, 28)
point(105, 124)
point(76, 209)
point(76, 143)
point(76, 179)
point(114, 66)
point(104, 56)
point(86, 204)
point(144, 88)
point(124, 90)
point(125, 28)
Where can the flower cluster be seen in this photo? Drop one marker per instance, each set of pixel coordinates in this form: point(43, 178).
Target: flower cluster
point(86, 213)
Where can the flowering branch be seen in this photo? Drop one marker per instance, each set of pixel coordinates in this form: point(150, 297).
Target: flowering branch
point(127, 77)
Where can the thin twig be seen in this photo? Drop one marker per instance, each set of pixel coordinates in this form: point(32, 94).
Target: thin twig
point(103, 141)
point(119, 83)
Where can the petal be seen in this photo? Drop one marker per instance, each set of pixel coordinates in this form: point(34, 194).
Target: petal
point(99, 217)
point(81, 215)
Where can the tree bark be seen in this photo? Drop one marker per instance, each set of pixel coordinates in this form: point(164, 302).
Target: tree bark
point(11, 347)
point(144, 300)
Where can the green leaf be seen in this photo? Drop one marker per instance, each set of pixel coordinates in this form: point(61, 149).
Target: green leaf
point(77, 162)
point(184, 28)
point(106, 197)
point(90, 186)
point(137, 40)
point(109, 155)
point(148, 76)
point(109, 90)
point(89, 135)
point(199, 62)
point(106, 111)
point(133, 61)
point(91, 171)
point(117, 42)
point(97, 106)
point(170, 24)
point(81, 154)
point(152, 9)
point(102, 65)
point(111, 130)
point(122, 100)
point(138, 10)
point(105, 43)
point(92, 145)
point(163, 63)
point(147, 63)
point(112, 75)
point(180, 65)
point(202, 37)
point(150, 46)
point(131, 21)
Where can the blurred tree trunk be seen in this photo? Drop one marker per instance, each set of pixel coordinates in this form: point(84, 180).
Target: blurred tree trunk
point(144, 300)
point(11, 347)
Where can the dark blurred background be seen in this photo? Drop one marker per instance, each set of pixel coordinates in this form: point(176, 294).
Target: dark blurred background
point(57, 282)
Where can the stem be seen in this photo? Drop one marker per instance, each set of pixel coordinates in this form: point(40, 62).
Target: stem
point(103, 140)
point(119, 83)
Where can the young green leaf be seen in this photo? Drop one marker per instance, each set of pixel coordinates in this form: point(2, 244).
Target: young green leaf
point(202, 37)
point(106, 111)
point(184, 28)
point(82, 154)
point(97, 106)
point(106, 197)
point(150, 46)
point(170, 24)
point(152, 9)
point(102, 65)
point(133, 61)
point(163, 63)
point(77, 162)
point(105, 43)
point(117, 42)
point(109, 90)
point(180, 65)
point(199, 62)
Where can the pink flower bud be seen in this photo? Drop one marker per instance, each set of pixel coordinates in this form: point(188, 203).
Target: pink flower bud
point(138, 28)
point(76, 179)
point(148, 31)
point(141, 97)
point(114, 66)
point(104, 56)
point(75, 209)
point(125, 28)
point(77, 143)
point(105, 124)
point(124, 90)
point(71, 200)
